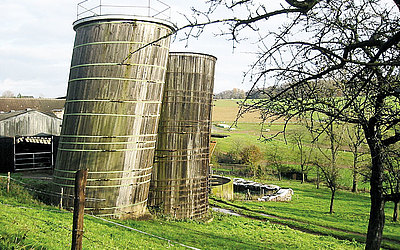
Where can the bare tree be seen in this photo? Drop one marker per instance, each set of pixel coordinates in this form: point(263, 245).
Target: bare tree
point(7, 94)
point(328, 166)
point(274, 159)
point(392, 179)
point(356, 137)
point(231, 94)
point(304, 152)
point(351, 44)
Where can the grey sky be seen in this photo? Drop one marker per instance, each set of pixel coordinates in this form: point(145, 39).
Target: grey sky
point(36, 39)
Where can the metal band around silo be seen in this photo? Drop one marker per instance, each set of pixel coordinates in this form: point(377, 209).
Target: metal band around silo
point(117, 42)
point(106, 208)
point(104, 172)
point(189, 91)
point(105, 179)
point(119, 22)
point(106, 143)
point(106, 136)
point(114, 78)
point(186, 96)
point(175, 160)
point(116, 64)
point(118, 101)
point(183, 179)
point(104, 150)
point(88, 186)
point(100, 114)
point(180, 150)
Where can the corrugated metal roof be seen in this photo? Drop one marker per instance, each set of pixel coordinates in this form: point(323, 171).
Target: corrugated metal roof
point(40, 104)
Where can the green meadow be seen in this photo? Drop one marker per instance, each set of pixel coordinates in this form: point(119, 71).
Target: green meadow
point(303, 223)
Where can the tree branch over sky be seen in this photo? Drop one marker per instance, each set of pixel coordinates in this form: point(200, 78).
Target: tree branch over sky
point(335, 58)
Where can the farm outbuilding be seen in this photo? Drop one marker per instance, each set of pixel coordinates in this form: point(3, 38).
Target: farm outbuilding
point(28, 140)
point(28, 123)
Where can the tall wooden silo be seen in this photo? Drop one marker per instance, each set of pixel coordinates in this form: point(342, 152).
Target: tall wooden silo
point(179, 184)
point(112, 111)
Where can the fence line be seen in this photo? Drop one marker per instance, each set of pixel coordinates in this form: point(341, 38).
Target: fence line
point(142, 232)
point(52, 223)
point(42, 191)
point(102, 219)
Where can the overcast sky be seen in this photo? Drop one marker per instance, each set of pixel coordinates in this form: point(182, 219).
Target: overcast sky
point(36, 40)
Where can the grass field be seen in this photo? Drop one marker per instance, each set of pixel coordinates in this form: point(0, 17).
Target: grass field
point(225, 110)
point(248, 131)
point(28, 224)
point(311, 206)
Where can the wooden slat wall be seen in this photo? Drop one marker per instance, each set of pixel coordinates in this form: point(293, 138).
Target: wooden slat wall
point(111, 114)
point(180, 173)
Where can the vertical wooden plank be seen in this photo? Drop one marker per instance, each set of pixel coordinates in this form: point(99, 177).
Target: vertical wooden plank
point(61, 198)
point(79, 205)
point(8, 181)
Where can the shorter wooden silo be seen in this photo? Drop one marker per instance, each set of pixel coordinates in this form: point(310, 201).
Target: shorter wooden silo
point(179, 185)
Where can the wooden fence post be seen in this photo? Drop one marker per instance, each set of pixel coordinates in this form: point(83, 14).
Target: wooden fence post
point(8, 181)
point(79, 205)
point(61, 198)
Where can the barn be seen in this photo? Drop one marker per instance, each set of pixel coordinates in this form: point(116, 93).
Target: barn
point(28, 140)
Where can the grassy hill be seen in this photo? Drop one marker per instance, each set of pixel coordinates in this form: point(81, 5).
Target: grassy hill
point(249, 131)
point(225, 110)
point(27, 223)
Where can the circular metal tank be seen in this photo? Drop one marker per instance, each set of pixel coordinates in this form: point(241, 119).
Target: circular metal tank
point(112, 111)
point(179, 185)
point(222, 187)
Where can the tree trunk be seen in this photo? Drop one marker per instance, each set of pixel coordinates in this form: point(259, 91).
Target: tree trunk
point(376, 222)
point(377, 212)
point(302, 177)
point(317, 178)
point(355, 183)
point(332, 198)
point(355, 161)
point(396, 211)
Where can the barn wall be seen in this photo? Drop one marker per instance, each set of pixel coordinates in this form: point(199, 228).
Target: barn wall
point(31, 123)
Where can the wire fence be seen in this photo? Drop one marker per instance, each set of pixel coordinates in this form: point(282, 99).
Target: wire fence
point(40, 191)
point(48, 222)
